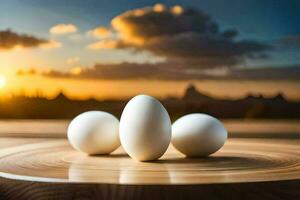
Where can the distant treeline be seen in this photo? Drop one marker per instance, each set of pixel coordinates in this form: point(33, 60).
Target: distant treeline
point(192, 101)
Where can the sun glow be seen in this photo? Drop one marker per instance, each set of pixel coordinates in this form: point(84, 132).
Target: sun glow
point(2, 81)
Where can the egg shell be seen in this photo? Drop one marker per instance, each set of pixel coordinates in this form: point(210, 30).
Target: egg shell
point(94, 132)
point(198, 135)
point(145, 128)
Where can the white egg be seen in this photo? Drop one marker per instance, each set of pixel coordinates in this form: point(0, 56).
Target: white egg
point(198, 135)
point(94, 132)
point(145, 128)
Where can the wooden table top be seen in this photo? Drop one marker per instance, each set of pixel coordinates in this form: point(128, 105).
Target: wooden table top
point(35, 157)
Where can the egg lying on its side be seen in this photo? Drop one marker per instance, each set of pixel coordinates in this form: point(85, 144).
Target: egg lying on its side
point(198, 135)
point(145, 128)
point(94, 132)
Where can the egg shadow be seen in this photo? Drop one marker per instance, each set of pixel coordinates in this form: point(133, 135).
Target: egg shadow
point(208, 159)
point(220, 162)
point(115, 155)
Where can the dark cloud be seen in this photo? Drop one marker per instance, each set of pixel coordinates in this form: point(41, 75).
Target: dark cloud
point(267, 73)
point(291, 39)
point(203, 51)
point(188, 36)
point(289, 42)
point(21, 72)
point(10, 39)
point(123, 71)
point(166, 71)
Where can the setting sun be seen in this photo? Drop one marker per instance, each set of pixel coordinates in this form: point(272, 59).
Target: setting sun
point(2, 81)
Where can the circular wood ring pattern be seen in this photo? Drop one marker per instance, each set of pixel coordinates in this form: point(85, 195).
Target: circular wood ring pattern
point(239, 161)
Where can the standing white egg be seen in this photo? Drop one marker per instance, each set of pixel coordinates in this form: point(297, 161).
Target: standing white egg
point(94, 132)
point(145, 128)
point(198, 135)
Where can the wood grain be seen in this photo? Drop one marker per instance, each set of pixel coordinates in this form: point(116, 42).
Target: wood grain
point(240, 160)
point(248, 168)
point(23, 190)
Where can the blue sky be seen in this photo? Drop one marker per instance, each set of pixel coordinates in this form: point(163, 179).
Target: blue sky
point(262, 19)
point(267, 21)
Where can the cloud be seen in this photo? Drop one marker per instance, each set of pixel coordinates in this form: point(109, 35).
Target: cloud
point(288, 42)
point(121, 71)
point(51, 44)
point(61, 29)
point(181, 35)
point(100, 32)
point(10, 40)
point(291, 39)
point(267, 73)
point(103, 44)
point(167, 71)
point(76, 71)
point(22, 72)
point(73, 60)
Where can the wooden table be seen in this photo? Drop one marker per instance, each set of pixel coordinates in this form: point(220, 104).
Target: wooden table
point(36, 162)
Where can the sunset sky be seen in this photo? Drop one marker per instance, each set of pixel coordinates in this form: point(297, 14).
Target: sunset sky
point(116, 49)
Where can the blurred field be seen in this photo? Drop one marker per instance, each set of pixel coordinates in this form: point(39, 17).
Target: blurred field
point(236, 128)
